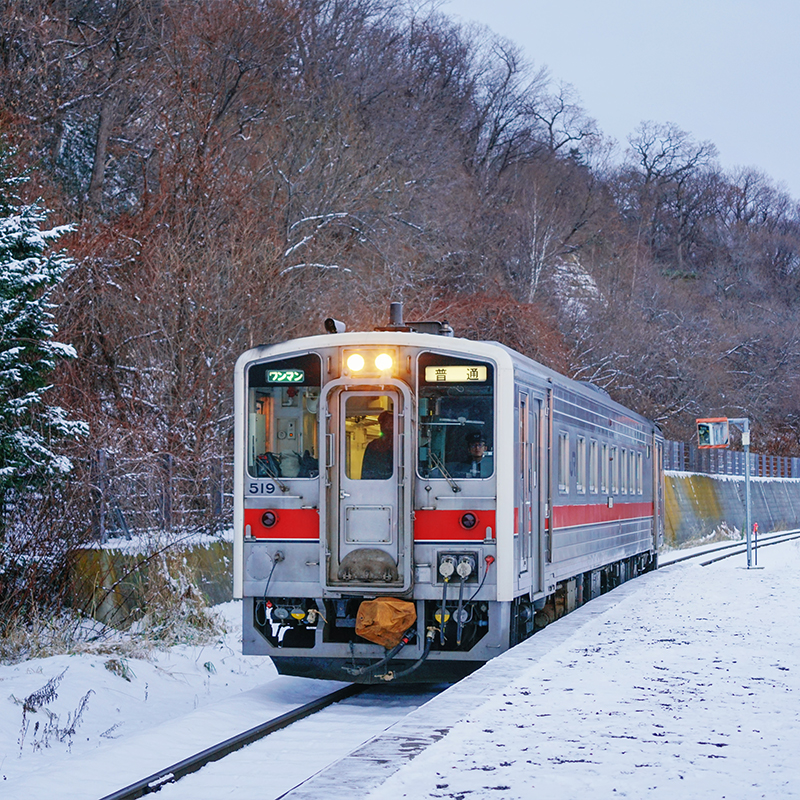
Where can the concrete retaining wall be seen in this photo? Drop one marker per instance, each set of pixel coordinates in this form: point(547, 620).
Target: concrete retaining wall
point(697, 505)
point(110, 583)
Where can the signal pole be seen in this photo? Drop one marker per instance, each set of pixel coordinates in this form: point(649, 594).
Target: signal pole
point(744, 425)
point(713, 432)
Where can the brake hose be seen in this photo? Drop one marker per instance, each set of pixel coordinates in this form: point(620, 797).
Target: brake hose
point(459, 614)
point(446, 569)
point(443, 611)
point(489, 561)
point(391, 676)
point(464, 570)
point(407, 637)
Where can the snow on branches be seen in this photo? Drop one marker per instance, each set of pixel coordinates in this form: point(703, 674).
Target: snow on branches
point(29, 426)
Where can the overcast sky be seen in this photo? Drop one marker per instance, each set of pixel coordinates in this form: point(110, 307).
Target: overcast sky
point(726, 71)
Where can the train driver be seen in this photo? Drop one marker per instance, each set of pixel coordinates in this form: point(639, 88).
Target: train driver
point(479, 465)
point(378, 461)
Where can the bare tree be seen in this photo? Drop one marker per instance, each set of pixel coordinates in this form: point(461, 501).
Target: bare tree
point(664, 188)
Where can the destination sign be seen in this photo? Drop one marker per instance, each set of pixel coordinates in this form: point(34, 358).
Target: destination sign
point(285, 375)
point(456, 373)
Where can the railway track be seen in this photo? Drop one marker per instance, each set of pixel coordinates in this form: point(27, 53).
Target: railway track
point(175, 772)
point(734, 549)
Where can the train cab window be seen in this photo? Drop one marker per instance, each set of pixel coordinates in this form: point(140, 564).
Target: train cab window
point(563, 462)
point(282, 426)
point(580, 465)
point(456, 417)
point(614, 459)
point(593, 467)
point(369, 437)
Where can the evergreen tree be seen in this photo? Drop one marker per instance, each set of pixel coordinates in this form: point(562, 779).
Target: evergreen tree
point(29, 427)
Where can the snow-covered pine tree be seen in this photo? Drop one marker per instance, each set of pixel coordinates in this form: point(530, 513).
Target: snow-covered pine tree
point(30, 427)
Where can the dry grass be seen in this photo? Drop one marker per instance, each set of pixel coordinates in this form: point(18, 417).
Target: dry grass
point(168, 609)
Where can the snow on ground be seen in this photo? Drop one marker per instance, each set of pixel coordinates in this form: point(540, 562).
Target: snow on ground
point(86, 701)
point(689, 687)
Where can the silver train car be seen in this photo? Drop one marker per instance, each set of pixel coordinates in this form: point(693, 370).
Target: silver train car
point(409, 505)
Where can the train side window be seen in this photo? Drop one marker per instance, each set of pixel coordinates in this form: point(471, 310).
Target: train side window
point(282, 425)
point(604, 472)
point(563, 462)
point(614, 459)
point(623, 471)
point(639, 474)
point(580, 466)
point(593, 467)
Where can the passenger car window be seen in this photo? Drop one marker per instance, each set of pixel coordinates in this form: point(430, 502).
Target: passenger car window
point(563, 462)
point(580, 465)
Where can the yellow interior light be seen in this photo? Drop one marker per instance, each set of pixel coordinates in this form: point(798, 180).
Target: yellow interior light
point(355, 362)
point(384, 362)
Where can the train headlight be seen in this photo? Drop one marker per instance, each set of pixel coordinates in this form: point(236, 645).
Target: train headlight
point(355, 362)
point(369, 362)
point(384, 362)
point(280, 613)
point(298, 613)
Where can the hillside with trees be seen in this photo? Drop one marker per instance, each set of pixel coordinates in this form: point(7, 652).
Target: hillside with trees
point(234, 171)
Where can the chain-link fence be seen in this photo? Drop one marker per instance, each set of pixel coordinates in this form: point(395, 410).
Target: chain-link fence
point(685, 457)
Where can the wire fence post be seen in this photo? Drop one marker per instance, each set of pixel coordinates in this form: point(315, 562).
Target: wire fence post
point(99, 478)
point(217, 494)
point(166, 490)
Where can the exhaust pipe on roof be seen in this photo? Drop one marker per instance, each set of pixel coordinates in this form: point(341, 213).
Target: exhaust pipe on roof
point(396, 314)
point(398, 323)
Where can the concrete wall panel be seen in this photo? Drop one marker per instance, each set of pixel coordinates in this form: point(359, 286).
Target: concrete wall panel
point(698, 506)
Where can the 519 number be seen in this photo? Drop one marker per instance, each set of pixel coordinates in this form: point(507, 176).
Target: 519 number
point(261, 488)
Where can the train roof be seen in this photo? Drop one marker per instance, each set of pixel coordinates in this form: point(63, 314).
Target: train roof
point(496, 351)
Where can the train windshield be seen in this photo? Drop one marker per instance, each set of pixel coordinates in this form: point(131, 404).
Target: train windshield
point(282, 426)
point(456, 417)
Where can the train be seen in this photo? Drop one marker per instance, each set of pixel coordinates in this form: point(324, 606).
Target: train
point(409, 504)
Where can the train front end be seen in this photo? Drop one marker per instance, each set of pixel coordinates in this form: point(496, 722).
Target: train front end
point(367, 530)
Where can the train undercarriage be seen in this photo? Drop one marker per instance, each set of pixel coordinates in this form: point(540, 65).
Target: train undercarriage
point(317, 637)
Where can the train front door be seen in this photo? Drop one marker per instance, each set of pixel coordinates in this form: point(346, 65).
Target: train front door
point(368, 541)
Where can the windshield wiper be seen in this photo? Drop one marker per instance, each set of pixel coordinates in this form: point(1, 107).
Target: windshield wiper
point(438, 464)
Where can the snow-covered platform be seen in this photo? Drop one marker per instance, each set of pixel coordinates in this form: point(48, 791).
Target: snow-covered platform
point(684, 682)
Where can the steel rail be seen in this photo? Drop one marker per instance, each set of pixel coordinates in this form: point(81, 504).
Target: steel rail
point(739, 548)
point(216, 752)
point(787, 537)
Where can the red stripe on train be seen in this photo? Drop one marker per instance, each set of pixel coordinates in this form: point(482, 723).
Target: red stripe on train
point(596, 513)
point(447, 526)
point(290, 523)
